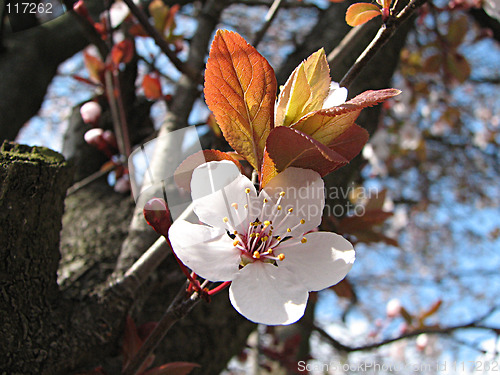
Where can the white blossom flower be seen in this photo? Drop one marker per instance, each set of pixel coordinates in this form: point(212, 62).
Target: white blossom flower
point(260, 242)
point(336, 96)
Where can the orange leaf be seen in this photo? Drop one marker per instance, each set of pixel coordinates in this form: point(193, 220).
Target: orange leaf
point(184, 171)
point(152, 87)
point(240, 89)
point(95, 66)
point(327, 124)
point(360, 13)
point(122, 52)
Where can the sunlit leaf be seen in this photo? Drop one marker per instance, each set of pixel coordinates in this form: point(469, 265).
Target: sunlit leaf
point(95, 67)
point(288, 147)
point(173, 368)
point(170, 20)
point(159, 11)
point(122, 52)
point(360, 13)
point(327, 124)
point(305, 90)
point(152, 87)
point(185, 170)
point(240, 89)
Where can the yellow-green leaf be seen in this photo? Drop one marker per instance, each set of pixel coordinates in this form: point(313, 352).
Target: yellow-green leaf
point(240, 90)
point(360, 13)
point(159, 12)
point(305, 91)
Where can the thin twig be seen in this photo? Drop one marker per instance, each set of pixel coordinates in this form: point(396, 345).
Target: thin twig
point(147, 263)
point(162, 43)
point(385, 32)
point(268, 20)
point(475, 324)
point(89, 179)
point(180, 307)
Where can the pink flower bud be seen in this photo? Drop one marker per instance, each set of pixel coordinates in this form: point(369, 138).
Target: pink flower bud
point(94, 138)
point(90, 112)
point(157, 215)
point(393, 308)
point(422, 341)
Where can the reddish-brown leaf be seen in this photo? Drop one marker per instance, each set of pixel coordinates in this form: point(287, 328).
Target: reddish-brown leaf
point(360, 13)
point(350, 142)
point(173, 368)
point(185, 170)
point(327, 124)
point(458, 66)
point(240, 89)
point(122, 52)
point(288, 147)
point(152, 87)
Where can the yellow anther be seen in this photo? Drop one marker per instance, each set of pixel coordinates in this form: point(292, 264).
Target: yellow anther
point(290, 209)
point(265, 200)
point(302, 221)
point(234, 205)
point(267, 223)
point(246, 206)
point(256, 254)
point(288, 230)
point(279, 207)
point(235, 232)
point(247, 190)
point(281, 256)
point(282, 194)
point(235, 242)
point(264, 239)
point(303, 240)
point(270, 251)
point(278, 238)
point(225, 220)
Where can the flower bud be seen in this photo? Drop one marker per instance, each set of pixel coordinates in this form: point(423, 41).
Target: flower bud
point(393, 308)
point(422, 341)
point(90, 112)
point(157, 215)
point(94, 138)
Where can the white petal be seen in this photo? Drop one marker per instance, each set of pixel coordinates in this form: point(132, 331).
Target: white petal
point(266, 294)
point(215, 190)
point(336, 96)
point(209, 252)
point(304, 192)
point(211, 177)
point(322, 261)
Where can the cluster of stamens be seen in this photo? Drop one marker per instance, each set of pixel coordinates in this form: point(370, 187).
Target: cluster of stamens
point(259, 240)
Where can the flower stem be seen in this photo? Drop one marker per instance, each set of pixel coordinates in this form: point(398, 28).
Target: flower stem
point(219, 288)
